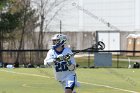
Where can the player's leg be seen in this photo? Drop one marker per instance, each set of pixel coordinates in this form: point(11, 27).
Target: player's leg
point(68, 91)
point(70, 83)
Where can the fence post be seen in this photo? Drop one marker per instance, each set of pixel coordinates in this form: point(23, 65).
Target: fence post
point(117, 60)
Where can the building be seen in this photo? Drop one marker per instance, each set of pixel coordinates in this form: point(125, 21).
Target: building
point(92, 15)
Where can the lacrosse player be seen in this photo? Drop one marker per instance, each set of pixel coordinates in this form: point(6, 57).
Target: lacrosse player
point(62, 60)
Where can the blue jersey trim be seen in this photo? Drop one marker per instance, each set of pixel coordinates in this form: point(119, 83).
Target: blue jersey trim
point(59, 52)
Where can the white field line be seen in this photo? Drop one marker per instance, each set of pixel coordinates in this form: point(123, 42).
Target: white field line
point(25, 85)
point(25, 74)
point(106, 86)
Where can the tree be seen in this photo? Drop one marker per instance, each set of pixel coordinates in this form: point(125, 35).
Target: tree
point(8, 22)
point(47, 10)
point(28, 23)
point(17, 19)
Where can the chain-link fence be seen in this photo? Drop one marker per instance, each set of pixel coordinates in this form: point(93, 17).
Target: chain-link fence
point(83, 59)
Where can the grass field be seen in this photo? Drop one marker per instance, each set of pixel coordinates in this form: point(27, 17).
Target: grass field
point(97, 80)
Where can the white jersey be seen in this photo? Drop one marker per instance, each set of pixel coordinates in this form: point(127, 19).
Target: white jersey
point(61, 70)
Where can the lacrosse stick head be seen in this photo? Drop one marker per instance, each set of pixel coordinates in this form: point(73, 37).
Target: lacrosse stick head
point(98, 46)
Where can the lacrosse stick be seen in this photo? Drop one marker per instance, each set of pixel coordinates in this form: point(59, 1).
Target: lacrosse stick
point(98, 46)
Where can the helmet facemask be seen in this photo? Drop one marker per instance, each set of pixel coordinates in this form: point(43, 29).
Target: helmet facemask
point(55, 41)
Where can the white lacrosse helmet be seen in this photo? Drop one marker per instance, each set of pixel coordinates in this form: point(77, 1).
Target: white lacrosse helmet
point(59, 40)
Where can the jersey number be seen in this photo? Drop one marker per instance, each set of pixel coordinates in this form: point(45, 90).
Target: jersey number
point(61, 67)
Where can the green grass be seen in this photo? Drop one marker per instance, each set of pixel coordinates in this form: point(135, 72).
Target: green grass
point(92, 80)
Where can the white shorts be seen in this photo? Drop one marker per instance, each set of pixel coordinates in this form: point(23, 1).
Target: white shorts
point(70, 82)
